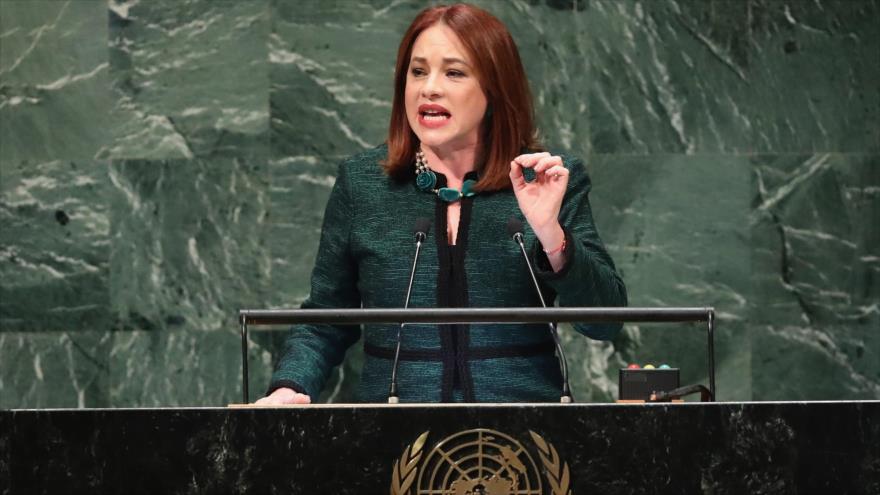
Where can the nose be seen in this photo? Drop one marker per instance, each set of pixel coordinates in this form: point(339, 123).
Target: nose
point(432, 87)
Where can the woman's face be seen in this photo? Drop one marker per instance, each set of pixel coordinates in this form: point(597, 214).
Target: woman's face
point(445, 104)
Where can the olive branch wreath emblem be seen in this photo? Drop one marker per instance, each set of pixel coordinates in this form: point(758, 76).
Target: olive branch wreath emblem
point(557, 475)
point(405, 468)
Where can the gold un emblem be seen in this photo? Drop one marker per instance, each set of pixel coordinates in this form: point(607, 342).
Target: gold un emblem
point(479, 462)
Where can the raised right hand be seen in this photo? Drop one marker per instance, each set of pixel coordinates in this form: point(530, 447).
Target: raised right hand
point(284, 396)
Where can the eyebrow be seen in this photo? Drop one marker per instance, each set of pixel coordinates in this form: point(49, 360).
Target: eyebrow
point(446, 60)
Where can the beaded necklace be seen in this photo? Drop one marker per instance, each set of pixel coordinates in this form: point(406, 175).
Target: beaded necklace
point(426, 180)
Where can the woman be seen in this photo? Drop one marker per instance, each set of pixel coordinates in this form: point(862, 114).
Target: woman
point(460, 137)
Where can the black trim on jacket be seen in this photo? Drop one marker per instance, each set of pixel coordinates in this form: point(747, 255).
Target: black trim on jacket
point(452, 292)
point(474, 353)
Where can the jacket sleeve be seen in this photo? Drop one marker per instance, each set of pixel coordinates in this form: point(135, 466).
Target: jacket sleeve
point(311, 351)
point(588, 276)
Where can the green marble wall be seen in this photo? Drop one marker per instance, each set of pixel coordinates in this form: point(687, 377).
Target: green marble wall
point(165, 163)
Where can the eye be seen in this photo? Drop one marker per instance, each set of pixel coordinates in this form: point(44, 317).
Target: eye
point(455, 73)
point(416, 71)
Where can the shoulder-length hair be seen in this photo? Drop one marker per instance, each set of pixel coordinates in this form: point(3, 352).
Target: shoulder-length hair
point(508, 127)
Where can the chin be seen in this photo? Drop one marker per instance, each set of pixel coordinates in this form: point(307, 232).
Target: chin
point(430, 141)
point(434, 139)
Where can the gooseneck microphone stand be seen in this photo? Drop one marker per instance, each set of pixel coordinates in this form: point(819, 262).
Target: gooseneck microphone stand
point(421, 233)
point(514, 229)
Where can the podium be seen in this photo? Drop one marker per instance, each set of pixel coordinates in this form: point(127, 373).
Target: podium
point(722, 448)
point(417, 449)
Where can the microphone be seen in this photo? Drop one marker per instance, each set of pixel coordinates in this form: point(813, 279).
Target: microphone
point(514, 230)
point(420, 232)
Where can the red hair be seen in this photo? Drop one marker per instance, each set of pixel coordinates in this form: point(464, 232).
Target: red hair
point(508, 126)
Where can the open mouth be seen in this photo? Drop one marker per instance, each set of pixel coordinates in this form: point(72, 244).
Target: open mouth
point(433, 115)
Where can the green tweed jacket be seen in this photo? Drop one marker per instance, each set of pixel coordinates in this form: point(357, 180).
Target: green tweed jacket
point(364, 259)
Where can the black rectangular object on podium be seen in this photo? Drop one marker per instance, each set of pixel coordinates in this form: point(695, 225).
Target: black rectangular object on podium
point(639, 384)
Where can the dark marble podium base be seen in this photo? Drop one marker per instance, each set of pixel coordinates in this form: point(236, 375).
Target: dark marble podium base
point(736, 448)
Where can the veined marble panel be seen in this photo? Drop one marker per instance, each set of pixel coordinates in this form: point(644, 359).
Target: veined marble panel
point(677, 228)
point(191, 79)
point(816, 276)
point(695, 76)
point(298, 191)
point(54, 246)
point(665, 74)
point(189, 243)
point(54, 80)
point(813, 75)
point(54, 369)
point(331, 69)
point(183, 367)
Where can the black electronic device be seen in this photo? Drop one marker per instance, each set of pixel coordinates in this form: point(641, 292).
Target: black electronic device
point(640, 383)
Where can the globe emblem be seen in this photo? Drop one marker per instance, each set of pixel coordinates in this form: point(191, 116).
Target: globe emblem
point(478, 462)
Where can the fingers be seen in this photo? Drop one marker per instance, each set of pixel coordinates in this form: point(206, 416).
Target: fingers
point(546, 167)
point(302, 399)
point(283, 401)
point(516, 175)
point(547, 162)
point(539, 162)
point(529, 160)
point(556, 172)
point(284, 396)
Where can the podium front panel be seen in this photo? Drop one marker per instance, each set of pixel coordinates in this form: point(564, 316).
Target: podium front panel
point(804, 447)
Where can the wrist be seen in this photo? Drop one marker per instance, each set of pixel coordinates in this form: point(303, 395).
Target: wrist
point(556, 251)
point(551, 237)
